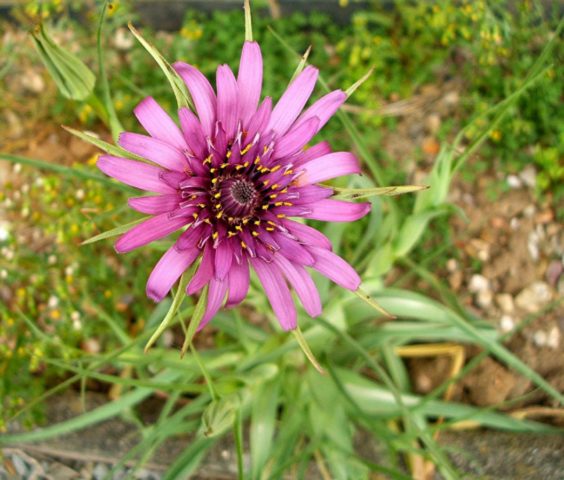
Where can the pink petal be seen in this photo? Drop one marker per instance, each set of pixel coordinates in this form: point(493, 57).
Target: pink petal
point(335, 268)
point(152, 229)
point(202, 94)
point(329, 210)
point(193, 132)
point(324, 108)
point(168, 269)
point(204, 273)
point(249, 80)
point(154, 205)
point(137, 174)
point(296, 138)
point(238, 282)
point(259, 120)
point(216, 295)
point(292, 249)
point(191, 237)
point(277, 292)
point(227, 100)
point(310, 193)
point(302, 283)
point(155, 150)
point(293, 100)
point(317, 150)
point(223, 259)
point(328, 166)
point(307, 234)
point(158, 123)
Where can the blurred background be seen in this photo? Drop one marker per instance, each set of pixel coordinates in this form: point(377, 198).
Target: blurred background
point(463, 383)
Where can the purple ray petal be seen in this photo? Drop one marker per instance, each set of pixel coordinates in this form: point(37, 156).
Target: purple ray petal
point(292, 249)
point(154, 205)
point(329, 210)
point(223, 259)
point(302, 283)
point(277, 292)
point(191, 237)
point(259, 120)
point(152, 229)
point(249, 80)
point(153, 149)
point(296, 138)
point(335, 268)
point(227, 100)
point(310, 193)
point(324, 108)
point(168, 269)
point(238, 282)
point(293, 100)
point(328, 166)
point(307, 235)
point(193, 132)
point(137, 174)
point(158, 124)
point(216, 295)
point(202, 94)
point(204, 272)
point(315, 151)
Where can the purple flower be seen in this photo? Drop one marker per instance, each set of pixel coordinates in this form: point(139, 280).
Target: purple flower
point(231, 178)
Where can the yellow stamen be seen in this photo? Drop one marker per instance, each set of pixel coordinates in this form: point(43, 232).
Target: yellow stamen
point(255, 234)
point(219, 215)
point(228, 154)
point(243, 244)
point(276, 168)
point(281, 215)
point(215, 235)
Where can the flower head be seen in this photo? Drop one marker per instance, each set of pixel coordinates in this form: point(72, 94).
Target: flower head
point(230, 178)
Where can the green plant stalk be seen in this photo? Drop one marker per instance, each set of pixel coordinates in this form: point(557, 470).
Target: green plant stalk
point(113, 120)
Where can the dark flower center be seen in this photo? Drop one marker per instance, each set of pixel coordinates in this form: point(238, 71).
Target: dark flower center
point(238, 198)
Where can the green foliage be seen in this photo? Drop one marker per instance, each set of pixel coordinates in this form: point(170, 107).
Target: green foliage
point(80, 312)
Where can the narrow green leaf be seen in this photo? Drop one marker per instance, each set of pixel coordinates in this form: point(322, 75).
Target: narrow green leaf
point(263, 420)
point(114, 231)
point(183, 98)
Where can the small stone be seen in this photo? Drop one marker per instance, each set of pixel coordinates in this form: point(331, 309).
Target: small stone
point(455, 280)
point(433, 123)
point(533, 246)
point(451, 98)
point(540, 338)
point(484, 299)
point(505, 302)
point(498, 223)
point(452, 265)
point(514, 223)
point(514, 181)
point(529, 176)
point(553, 338)
point(506, 323)
point(478, 283)
point(33, 82)
point(430, 146)
point(529, 211)
point(534, 297)
point(91, 345)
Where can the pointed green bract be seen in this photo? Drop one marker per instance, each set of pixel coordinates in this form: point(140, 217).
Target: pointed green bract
point(73, 78)
point(392, 191)
point(307, 351)
point(248, 22)
point(114, 232)
point(174, 307)
point(302, 64)
point(197, 316)
point(349, 91)
point(183, 98)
